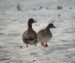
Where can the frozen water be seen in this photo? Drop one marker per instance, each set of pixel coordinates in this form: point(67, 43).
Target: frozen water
point(13, 23)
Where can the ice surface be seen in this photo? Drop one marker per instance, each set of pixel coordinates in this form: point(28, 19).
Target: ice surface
point(13, 23)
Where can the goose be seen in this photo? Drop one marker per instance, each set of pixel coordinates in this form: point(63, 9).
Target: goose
point(30, 36)
point(45, 35)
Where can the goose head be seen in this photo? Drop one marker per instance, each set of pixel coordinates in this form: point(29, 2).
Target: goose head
point(51, 25)
point(31, 20)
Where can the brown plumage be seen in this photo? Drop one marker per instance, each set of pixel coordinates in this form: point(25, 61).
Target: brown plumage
point(45, 35)
point(30, 36)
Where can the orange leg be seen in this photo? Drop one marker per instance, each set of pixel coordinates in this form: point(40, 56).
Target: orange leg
point(46, 45)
